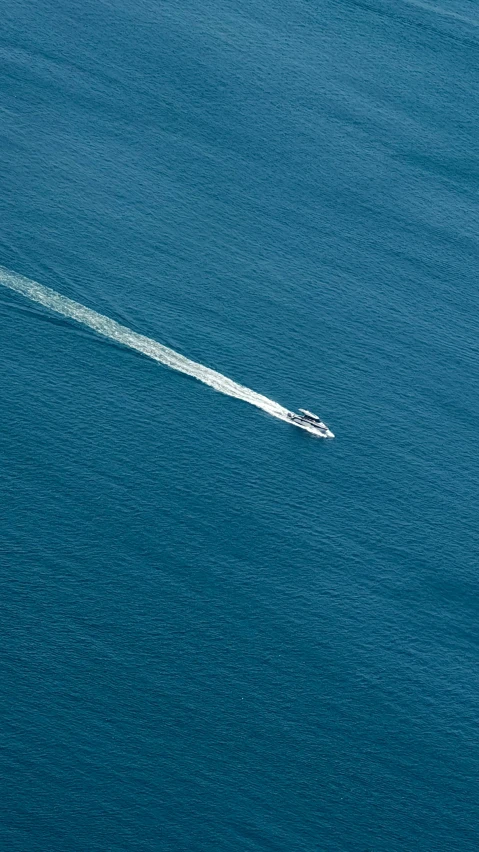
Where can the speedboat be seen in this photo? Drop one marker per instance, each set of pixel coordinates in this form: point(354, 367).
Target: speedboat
point(310, 422)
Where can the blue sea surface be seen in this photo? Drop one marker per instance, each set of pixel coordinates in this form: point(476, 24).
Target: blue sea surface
point(219, 633)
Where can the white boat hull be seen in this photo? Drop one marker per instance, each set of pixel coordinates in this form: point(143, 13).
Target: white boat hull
point(318, 429)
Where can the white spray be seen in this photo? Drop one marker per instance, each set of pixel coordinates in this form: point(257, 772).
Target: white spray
point(114, 331)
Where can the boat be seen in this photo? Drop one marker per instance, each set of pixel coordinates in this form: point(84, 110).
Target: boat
point(311, 422)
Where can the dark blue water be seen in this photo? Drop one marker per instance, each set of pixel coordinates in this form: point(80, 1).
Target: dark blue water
point(217, 632)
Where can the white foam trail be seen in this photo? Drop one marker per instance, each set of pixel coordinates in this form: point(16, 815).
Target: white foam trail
point(113, 330)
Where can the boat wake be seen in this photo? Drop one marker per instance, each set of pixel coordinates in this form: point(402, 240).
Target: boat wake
point(151, 348)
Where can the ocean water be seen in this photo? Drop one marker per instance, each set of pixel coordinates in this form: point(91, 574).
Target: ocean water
point(219, 633)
